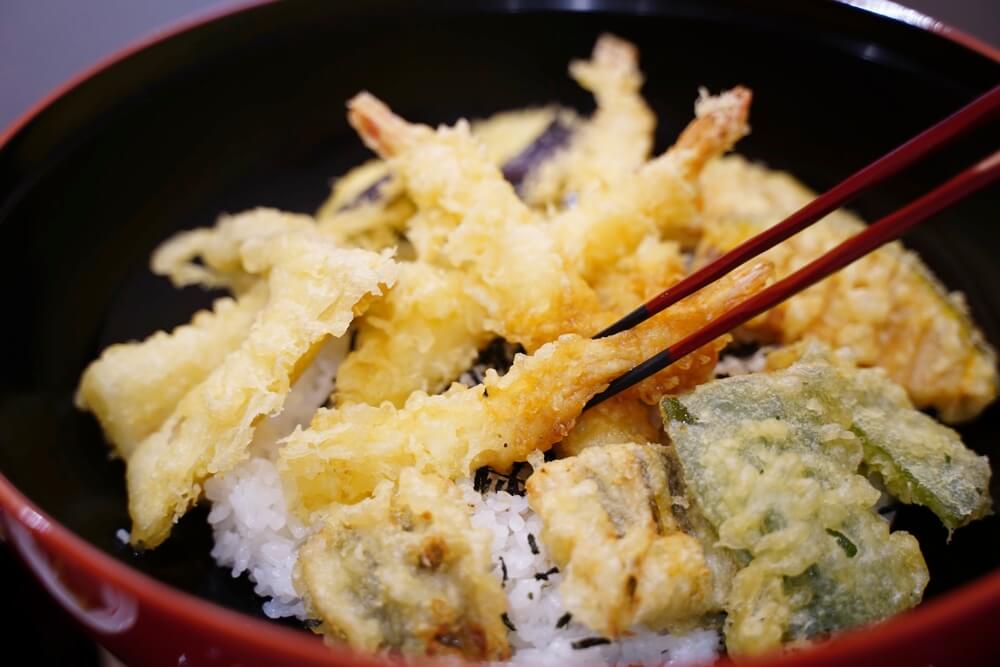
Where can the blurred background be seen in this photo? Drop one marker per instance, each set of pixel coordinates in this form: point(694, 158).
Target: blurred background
point(44, 42)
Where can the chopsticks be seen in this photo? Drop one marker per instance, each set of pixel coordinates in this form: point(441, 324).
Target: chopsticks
point(887, 229)
point(888, 165)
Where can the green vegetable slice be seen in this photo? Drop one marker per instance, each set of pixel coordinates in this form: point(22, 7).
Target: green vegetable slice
point(772, 462)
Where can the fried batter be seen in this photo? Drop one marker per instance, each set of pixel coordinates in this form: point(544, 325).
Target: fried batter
point(886, 307)
point(772, 462)
point(659, 199)
point(916, 458)
point(134, 387)
point(608, 524)
point(369, 208)
point(211, 256)
point(347, 451)
point(750, 499)
point(614, 142)
point(314, 291)
point(505, 135)
point(419, 337)
point(622, 418)
point(529, 293)
point(464, 205)
point(405, 570)
point(652, 267)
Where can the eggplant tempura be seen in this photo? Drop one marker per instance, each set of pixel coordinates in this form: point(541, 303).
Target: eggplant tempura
point(387, 412)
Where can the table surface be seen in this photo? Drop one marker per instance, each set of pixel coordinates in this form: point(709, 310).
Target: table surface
point(44, 42)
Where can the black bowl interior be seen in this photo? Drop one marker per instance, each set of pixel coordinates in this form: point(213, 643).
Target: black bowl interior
point(249, 110)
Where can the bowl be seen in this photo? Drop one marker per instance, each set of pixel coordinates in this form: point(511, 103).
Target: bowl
point(246, 108)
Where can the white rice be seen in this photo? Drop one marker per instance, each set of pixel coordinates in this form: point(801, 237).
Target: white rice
point(255, 534)
point(731, 365)
point(534, 606)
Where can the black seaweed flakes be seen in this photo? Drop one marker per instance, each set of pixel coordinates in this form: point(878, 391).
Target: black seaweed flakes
point(506, 621)
point(481, 480)
point(487, 479)
point(532, 544)
point(544, 576)
point(514, 486)
point(564, 620)
point(503, 570)
point(589, 642)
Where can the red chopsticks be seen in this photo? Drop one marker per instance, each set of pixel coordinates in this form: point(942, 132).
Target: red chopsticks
point(887, 229)
point(879, 170)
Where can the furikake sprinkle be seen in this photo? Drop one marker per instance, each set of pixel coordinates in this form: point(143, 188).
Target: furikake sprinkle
point(514, 486)
point(589, 642)
point(481, 479)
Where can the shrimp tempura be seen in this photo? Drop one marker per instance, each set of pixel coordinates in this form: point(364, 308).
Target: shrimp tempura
point(661, 197)
point(315, 290)
point(419, 337)
point(614, 142)
point(465, 206)
point(135, 386)
point(347, 451)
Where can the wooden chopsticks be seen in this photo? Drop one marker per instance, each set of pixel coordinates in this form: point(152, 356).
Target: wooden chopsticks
point(875, 235)
point(888, 165)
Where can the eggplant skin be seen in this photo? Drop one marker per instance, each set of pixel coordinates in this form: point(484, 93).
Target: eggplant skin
point(773, 462)
point(553, 139)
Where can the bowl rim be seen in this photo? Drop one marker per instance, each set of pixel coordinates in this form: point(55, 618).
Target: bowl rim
point(953, 608)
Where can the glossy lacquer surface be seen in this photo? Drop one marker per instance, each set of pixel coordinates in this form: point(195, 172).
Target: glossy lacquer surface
point(248, 110)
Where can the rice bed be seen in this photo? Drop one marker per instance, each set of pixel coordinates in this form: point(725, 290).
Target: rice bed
point(255, 535)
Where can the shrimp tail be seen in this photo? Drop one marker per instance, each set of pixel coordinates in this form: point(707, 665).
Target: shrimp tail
point(382, 131)
point(720, 121)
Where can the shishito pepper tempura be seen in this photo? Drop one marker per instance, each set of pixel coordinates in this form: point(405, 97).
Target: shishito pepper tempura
point(386, 415)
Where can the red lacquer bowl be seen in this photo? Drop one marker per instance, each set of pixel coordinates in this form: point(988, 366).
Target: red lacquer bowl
point(245, 108)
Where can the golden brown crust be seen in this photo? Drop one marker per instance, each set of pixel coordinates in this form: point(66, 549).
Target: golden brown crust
point(886, 308)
